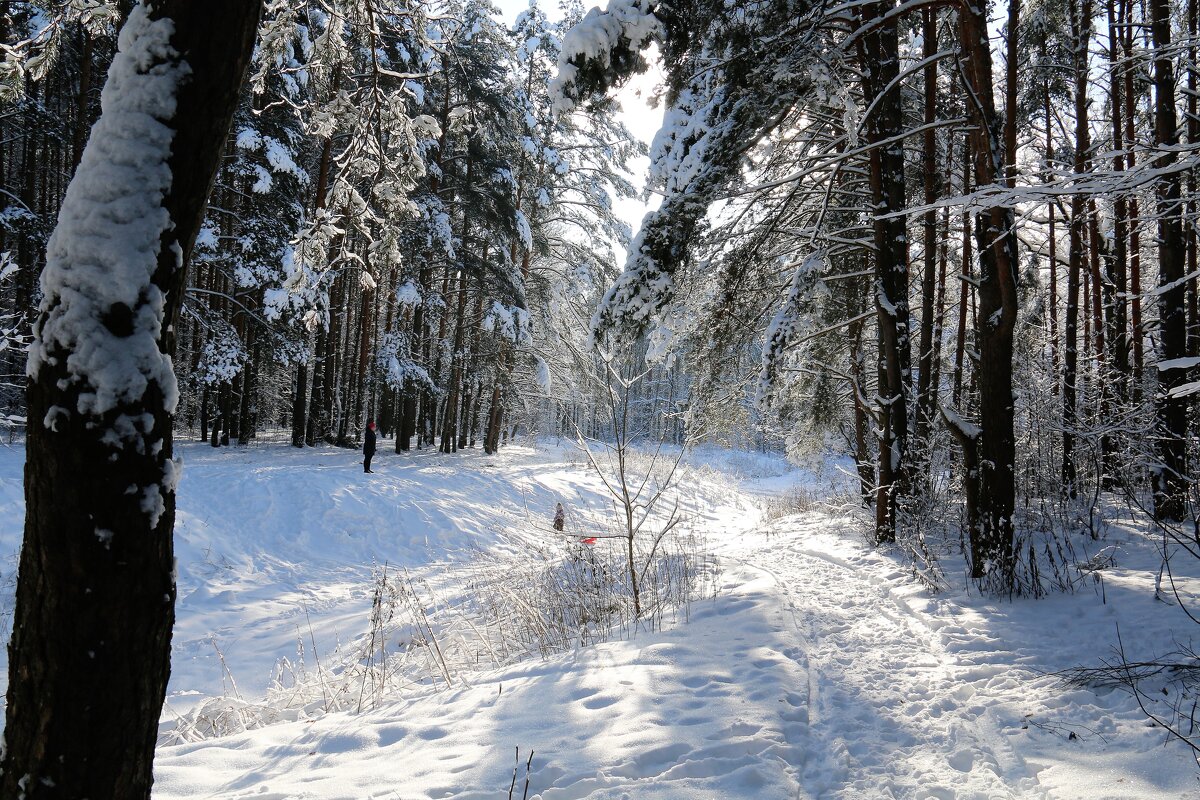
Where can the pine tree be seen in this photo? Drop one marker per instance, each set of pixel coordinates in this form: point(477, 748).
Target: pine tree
point(95, 595)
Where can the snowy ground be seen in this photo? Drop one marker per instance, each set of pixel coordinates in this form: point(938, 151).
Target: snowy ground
point(819, 670)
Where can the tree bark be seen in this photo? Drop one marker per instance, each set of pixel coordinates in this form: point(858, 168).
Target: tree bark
point(926, 387)
point(1052, 243)
point(1081, 26)
point(996, 242)
point(303, 429)
point(964, 285)
point(1118, 323)
point(1135, 248)
point(89, 656)
point(879, 59)
point(1193, 134)
point(1169, 475)
point(299, 404)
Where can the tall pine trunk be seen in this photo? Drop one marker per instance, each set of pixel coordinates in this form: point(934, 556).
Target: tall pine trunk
point(927, 356)
point(89, 656)
point(996, 242)
point(1135, 248)
point(1169, 475)
point(1081, 18)
point(880, 61)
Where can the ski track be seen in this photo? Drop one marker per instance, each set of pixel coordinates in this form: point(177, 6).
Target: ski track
point(895, 708)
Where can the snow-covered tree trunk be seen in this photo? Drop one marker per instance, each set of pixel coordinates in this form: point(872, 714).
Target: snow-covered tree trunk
point(89, 657)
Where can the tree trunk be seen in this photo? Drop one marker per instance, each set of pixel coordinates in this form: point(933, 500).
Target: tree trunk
point(475, 409)
point(367, 314)
point(996, 241)
point(1169, 476)
point(964, 284)
point(1118, 324)
point(412, 393)
point(862, 419)
point(1052, 242)
point(83, 99)
point(299, 404)
point(926, 356)
point(248, 410)
point(204, 415)
point(879, 59)
point(303, 430)
point(491, 438)
point(1193, 261)
point(1193, 134)
point(1081, 26)
point(1135, 249)
point(313, 431)
point(226, 412)
point(450, 415)
point(89, 656)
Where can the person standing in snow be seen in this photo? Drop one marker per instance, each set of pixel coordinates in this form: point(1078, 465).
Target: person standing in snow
point(560, 517)
point(369, 446)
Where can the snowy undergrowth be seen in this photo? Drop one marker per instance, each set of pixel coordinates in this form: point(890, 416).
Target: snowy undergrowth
point(492, 610)
point(1042, 664)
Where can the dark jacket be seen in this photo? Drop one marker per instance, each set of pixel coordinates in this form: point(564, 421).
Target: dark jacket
point(369, 443)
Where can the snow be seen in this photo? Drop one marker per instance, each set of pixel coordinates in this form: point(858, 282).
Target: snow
point(104, 250)
point(262, 181)
point(819, 670)
point(508, 322)
point(594, 38)
point(787, 322)
point(967, 429)
point(280, 159)
point(1178, 363)
point(543, 375)
point(408, 294)
point(248, 139)
point(1186, 389)
point(524, 234)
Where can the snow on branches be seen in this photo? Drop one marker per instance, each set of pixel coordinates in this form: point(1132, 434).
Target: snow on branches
point(601, 49)
point(787, 322)
point(717, 64)
point(510, 323)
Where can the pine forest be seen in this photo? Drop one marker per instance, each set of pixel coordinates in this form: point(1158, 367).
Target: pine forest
point(825, 373)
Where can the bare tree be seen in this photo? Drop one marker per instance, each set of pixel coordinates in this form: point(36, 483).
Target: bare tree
point(639, 492)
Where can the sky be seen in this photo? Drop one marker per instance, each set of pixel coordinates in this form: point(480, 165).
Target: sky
point(642, 120)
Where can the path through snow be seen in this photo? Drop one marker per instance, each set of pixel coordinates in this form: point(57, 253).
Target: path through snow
point(891, 710)
point(914, 697)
